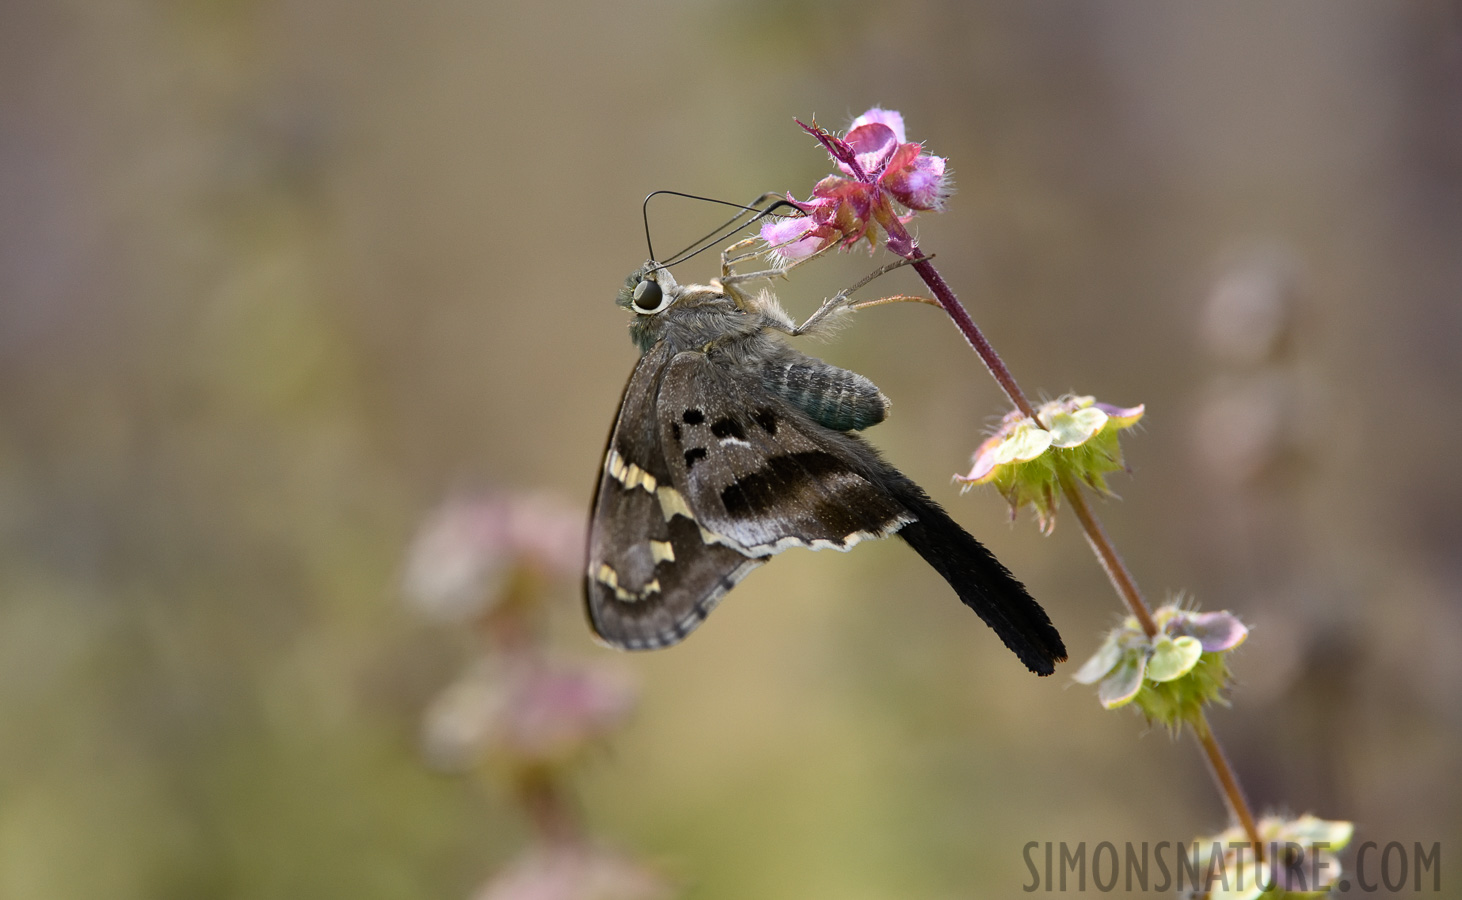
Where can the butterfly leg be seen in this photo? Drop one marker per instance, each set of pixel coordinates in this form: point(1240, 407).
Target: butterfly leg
point(728, 262)
point(842, 300)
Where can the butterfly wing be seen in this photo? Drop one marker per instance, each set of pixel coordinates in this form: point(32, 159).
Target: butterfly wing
point(757, 473)
point(651, 579)
point(760, 475)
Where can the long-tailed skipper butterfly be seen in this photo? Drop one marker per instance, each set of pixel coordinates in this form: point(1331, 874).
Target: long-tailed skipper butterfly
point(730, 446)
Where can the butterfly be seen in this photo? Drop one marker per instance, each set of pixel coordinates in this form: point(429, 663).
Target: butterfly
point(731, 446)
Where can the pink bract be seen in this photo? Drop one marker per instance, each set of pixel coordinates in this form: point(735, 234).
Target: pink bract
point(881, 169)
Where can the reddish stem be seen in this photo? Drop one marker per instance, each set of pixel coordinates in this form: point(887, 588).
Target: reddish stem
point(945, 295)
point(900, 237)
point(1228, 783)
point(1106, 553)
point(903, 244)
point(1121, 578)
point(508, 632)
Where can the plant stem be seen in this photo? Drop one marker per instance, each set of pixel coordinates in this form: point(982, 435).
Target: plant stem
point(1096, 536)
point(901, 243)
point(945, 295)
point(552, 816)
point(507, 631)
point(1228, 783)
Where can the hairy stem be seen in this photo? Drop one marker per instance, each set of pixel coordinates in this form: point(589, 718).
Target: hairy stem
point(1096, 536)
point(945, 295)
point(1228, 783)
point(1106, 554)
point(900, 237)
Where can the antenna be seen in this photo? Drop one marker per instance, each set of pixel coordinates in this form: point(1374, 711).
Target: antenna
point(720, 232)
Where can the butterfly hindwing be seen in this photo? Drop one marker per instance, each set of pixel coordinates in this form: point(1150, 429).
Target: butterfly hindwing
point(651, 579)
point(758, 474)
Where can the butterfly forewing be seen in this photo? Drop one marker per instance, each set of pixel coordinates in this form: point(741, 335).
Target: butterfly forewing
point(651, 579)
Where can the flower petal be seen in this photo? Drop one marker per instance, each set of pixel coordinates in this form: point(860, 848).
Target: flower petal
point(781, 231)
point(830, 188)
point(1308, 829)
point(1123, 417)
point(1025, 444)
point(890, 117)
point(458, 564)
point(872, 144)
point(1123, 683)
point(1216, 630)
point(984, 465)
point(1093, 669)
point(802, 249)
point(1072, 429)
point(922, 184)
point(1173, 658)
point(794, 239)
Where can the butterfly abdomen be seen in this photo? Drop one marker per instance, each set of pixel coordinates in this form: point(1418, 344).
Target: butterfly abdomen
point(834, 398)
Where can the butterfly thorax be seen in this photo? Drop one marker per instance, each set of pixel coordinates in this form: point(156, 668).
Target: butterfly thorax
point(736, 332)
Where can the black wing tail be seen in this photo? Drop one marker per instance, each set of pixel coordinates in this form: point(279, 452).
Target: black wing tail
point(981, 581)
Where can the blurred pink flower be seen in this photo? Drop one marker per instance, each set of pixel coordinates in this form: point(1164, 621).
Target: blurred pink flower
point(882, 169)
point(576, 873)
point(527, 712)
point(456, 564)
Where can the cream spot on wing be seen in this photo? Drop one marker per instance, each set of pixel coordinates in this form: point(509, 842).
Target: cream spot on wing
point(629, 474)
point(610, 579)
point(672, 504)
point(661, 551)
point(627, 596)
point(607, 576)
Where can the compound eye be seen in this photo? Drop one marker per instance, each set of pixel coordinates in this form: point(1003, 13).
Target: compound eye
point(649, 298)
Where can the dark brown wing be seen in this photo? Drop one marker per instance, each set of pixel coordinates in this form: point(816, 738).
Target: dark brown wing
point(651, 579)
point(758, 474)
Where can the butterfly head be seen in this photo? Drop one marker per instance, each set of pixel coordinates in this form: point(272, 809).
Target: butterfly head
point(647, 292)
point(688, 315)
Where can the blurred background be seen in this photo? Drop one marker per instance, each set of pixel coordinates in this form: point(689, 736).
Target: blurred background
point(278, 278)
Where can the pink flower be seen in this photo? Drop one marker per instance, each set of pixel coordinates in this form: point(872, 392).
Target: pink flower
point(881, 169)
point(466, 549)
point(577, 873)
point(528, 713)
